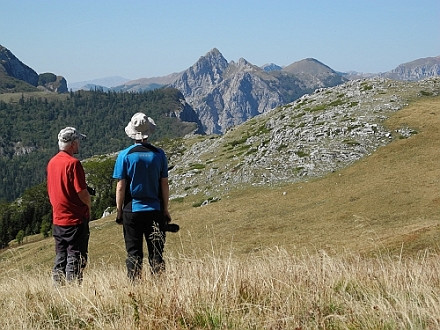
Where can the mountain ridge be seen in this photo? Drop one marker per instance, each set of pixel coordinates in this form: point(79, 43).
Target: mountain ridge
point(105, 83)
point(418, 69)
point(225, 94)
point(17, 76)
point(275, 67)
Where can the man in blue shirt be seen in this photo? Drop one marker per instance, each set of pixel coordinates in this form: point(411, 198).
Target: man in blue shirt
point(142, 194)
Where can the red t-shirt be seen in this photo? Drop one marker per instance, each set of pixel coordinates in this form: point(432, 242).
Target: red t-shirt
point(65, 179)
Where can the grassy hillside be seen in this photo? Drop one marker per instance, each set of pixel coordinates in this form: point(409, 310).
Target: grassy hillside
point(345, 250)
point(389, 200)
point(10, 84)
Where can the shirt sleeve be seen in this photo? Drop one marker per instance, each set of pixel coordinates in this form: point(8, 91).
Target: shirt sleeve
point(118, 171)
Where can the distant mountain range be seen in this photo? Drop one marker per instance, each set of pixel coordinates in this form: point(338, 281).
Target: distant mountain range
point(223, 94)
point(102, 83)
point(416, 70)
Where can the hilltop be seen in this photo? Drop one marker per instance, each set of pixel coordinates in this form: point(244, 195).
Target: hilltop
point(310, 137)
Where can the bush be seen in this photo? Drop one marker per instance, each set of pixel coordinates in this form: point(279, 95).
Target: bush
point(45, 78)
point(20, 237)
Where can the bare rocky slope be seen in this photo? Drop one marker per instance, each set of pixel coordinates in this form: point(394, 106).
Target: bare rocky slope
point(310, 137)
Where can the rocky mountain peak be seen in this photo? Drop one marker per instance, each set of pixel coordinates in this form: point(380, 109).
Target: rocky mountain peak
point(213, 59)
point(13, 67)
point(309, 66)
point(245, 65)
point(215, 53)
point(271, 67)
point(227, 94)
point(208, 71)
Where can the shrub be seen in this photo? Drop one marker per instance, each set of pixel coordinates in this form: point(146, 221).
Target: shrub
point(45, 78)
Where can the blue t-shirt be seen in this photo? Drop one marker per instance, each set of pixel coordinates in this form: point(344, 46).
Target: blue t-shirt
point(143, 166)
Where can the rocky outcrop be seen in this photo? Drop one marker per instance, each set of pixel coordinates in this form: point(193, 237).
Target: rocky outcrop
point(319, 133)
point(186, 113)
point(52, 83)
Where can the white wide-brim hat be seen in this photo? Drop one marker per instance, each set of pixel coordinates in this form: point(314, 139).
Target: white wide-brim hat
point(140, 126)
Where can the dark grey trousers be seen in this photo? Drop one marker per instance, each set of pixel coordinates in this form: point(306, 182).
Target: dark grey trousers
point(71, 248)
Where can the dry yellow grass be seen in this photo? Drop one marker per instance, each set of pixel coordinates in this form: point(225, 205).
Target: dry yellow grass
point(355, 249)
point(270, 290)
point(15, 97)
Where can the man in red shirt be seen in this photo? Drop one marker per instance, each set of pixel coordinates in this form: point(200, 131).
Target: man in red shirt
point(70, 199)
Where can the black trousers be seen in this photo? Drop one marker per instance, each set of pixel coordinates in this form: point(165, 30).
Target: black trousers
point(137, 226)
point(71, 248)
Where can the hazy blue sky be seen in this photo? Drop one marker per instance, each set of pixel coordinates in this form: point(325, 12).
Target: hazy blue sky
point(84, 40)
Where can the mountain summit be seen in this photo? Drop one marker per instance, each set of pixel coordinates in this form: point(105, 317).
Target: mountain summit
point(227, 94)
point(309, 66)
point(16, 76)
